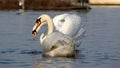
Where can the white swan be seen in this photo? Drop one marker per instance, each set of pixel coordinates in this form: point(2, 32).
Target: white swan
point(63, 41)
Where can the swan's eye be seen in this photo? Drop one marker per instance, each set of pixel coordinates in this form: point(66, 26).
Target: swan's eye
point(37, 20)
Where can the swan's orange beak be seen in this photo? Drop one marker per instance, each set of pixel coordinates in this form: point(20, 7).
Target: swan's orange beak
point(34, 32)
point(34, 35)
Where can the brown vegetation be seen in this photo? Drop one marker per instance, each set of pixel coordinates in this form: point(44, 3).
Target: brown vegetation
point(43, 4)
point(46, 4)
point(8, 4)
point(35, 4)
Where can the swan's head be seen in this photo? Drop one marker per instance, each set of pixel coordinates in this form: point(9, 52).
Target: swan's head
point(39, 22)
point(35, 28)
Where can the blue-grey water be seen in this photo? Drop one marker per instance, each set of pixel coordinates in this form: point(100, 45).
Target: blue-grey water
point(100, 47)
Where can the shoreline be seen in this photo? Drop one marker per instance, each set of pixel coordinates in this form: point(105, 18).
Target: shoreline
point(104, 2)
point(42, 5)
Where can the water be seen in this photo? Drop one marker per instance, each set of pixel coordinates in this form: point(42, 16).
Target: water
point(99, 48)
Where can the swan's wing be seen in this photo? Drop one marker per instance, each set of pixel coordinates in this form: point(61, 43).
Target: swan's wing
point(71, 25)
point(58, 20)
point(67, 23)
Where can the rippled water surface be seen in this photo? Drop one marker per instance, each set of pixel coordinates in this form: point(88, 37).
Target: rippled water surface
point(100, 47)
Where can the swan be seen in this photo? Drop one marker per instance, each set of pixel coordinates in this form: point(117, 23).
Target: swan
point(59, 40)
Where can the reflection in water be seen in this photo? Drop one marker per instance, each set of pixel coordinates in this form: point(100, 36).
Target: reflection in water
point(58, 62)
point(54, 62)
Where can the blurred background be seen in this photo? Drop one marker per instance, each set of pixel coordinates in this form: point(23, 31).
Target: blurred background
point(56, 4)
point(43, 4)
point(100, 47)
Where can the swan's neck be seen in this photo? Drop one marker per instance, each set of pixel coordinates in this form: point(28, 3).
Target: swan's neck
point(49, 22)
point(50, 25)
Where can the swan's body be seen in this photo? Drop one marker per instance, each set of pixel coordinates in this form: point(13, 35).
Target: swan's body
point(62, 40)
point(58, 44)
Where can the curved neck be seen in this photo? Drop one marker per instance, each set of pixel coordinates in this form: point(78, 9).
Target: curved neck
point(50, 25)
point(49, 22)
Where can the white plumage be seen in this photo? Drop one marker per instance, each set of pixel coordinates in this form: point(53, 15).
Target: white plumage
point(61, 40)
point(67, 23)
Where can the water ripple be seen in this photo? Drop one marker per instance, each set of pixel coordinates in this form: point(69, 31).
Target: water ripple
point(32, 52)
point(9, 50)
point(9, 61)
point(18, 51)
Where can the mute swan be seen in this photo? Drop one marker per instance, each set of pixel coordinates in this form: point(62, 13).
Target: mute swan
point(59, 41)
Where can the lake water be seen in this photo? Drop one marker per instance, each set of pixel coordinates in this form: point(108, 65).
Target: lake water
point(100, 47)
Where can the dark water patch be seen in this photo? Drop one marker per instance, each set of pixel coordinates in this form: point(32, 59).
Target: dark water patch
point(9, 50)
point(30, 52)
point(22, 65)
point(10, 62)
point(14, 62)
point(18, 51)
point(6, 61)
